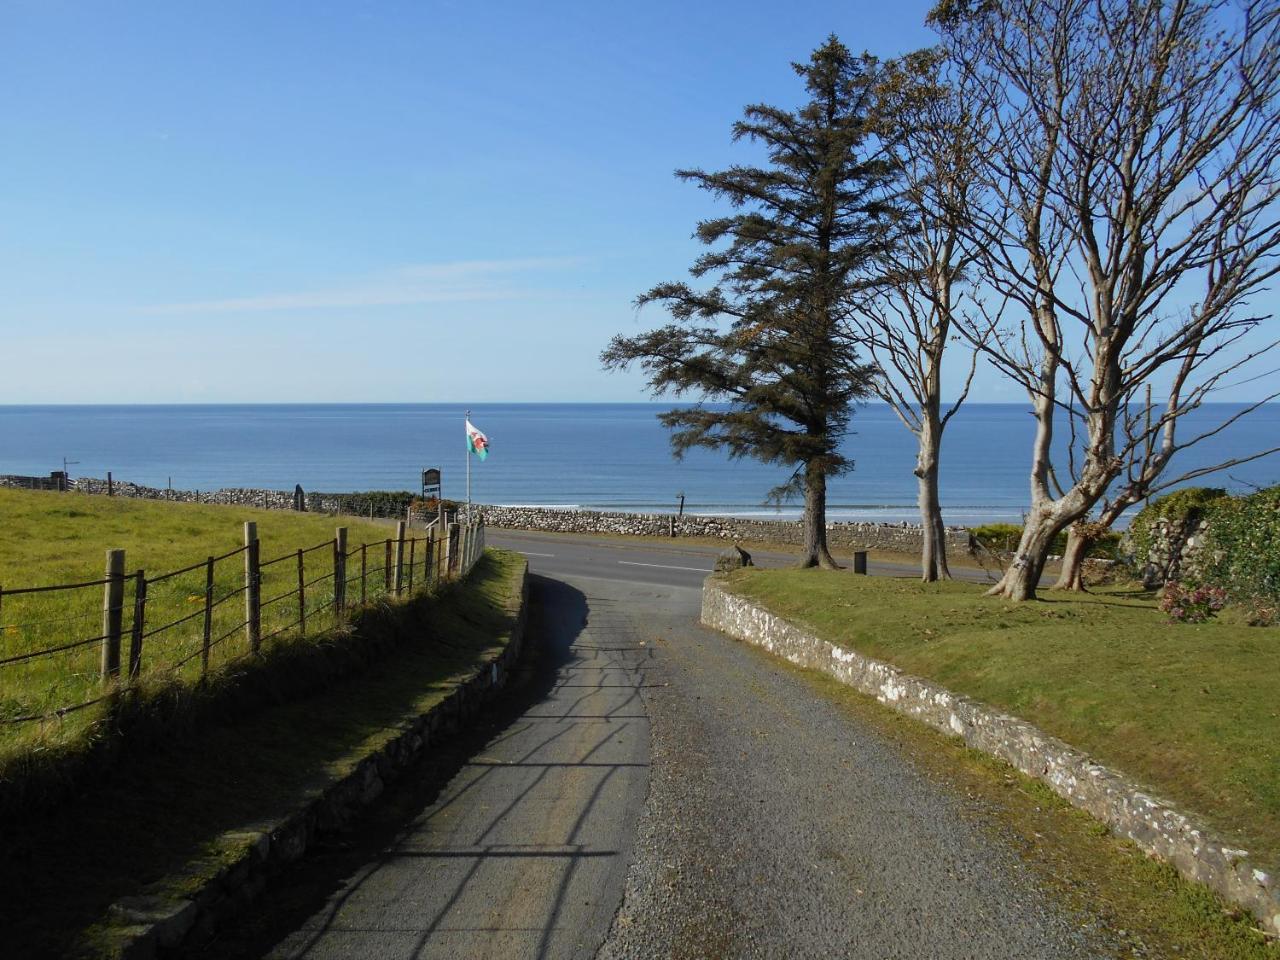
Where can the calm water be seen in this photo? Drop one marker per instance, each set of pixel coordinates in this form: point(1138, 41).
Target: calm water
point(603, 456)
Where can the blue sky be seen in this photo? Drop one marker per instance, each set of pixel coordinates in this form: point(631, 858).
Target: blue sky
point(367, 201)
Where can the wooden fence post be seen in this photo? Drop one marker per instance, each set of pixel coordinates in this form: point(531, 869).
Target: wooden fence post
point(340, 571)
point(451, 551)
point(399, 568)
point(208, 618)
point(253, 587)
point(364, 549)
point(139, 620)
point(302, 594)
point(112, 614)
point(386, 567)
point(413, 549)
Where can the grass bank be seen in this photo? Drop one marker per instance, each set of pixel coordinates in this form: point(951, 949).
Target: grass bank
point(167, 816)
point(1191, 709)
point(61, 538)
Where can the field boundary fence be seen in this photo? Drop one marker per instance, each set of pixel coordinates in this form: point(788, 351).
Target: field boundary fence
point(66, 647)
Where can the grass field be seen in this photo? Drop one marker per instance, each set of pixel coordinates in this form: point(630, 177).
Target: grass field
point(1191, 709)
point(58, 538)
point(169, 816)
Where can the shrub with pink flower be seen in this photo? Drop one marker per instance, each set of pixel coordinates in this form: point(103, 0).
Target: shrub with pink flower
point(1191, 604)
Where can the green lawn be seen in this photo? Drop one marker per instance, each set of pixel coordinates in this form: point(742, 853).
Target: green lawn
point(167, 816)
point(58, 538)
point(1191, 709)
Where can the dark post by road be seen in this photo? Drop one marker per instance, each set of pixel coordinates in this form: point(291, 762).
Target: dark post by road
point(111, 487)
point(860, 562)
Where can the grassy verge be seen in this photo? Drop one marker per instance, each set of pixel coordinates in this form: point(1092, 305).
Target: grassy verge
point(167, 813)
point(1191, 709)
point(58, 538)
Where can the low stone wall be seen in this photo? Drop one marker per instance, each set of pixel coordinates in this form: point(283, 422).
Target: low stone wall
point(1121, 804)
point(898, 537)
point(226, 496)
point(1177, 550)
point(150, 925)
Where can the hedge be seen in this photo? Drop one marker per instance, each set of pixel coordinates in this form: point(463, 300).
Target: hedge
point(1242, 546)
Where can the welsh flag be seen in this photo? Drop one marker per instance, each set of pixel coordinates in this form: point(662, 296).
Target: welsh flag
point(477, 442)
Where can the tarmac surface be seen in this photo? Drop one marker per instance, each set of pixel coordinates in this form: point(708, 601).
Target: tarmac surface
point(659, 790)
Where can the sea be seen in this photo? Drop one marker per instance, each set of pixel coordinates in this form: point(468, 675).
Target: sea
point(596, 456)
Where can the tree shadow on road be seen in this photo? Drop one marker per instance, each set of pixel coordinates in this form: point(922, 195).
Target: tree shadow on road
point(339, 864)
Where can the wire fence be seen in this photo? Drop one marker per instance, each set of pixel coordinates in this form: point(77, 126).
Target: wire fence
point(66, 647)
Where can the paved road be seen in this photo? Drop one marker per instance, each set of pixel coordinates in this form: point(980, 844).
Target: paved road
point(666, 792)
point(525, 851)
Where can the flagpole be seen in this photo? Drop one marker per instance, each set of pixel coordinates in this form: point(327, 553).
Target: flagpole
point(468, 420)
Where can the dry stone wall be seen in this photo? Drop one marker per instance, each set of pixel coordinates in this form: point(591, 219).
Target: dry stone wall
point(899, 537)
point(230, 496)
point(1120, 803)
point(1176, 551)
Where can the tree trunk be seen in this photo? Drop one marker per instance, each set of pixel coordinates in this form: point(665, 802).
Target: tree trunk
point(1023, 574)
point(816, 553)
point(940, 537)
point(1045, 517)
point(1072, 575)
point(933, 556)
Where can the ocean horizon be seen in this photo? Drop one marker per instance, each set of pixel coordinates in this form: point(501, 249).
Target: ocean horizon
point(590, 456)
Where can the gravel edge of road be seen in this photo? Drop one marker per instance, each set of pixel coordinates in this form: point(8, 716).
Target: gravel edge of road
point(1122, 805)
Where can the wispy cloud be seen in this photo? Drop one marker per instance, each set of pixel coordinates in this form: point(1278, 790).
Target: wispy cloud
point(457, 281)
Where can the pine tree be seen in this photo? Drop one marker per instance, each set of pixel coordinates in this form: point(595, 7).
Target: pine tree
point(767, 338)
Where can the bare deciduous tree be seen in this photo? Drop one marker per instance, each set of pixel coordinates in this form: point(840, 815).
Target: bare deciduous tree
point(1152, 438)
point(1131, 152)
point(906, 321)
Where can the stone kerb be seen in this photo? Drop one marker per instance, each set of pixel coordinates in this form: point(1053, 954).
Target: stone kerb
point(1120, 803)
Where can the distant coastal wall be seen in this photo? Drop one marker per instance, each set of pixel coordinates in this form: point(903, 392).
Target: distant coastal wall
point(228, 496)
point(899, 537)
point(843, 535)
